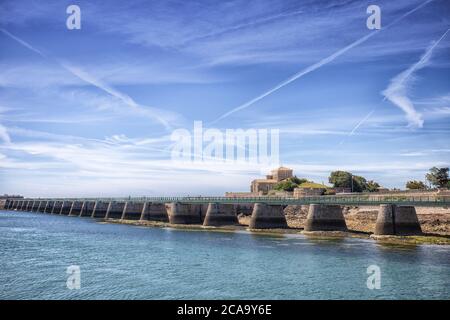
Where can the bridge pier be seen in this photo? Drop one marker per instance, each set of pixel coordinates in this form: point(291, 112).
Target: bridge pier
point(265, 216)
point(87, 208)
point(75, 209)
point(325, 217)
point(154, 212)
point(35, 206)
point(56, 207)
point(100, 209)
point(39, 206)
point(184, 213)
point(44, 206)
point(65, 208)
point(220, 215)
point(397, 220)
point(115, 210)
point(49, 206)
point(132, 211)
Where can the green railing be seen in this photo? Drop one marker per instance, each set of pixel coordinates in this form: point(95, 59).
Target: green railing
point(340, 200)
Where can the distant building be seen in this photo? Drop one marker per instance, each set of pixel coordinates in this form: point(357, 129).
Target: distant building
point(275, 176)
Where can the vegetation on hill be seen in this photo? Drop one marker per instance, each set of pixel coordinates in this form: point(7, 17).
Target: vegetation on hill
point(289, 184)
point(344, 179)
point(416, 185)
point(438, 177)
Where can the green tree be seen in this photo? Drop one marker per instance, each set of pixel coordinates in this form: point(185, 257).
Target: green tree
point(415, 185)
point(438, 177)
point(372, 186)
point(289, 184)
point(343, 179)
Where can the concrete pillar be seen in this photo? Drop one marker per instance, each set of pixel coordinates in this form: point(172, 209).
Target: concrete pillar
point(397, 220)
point(65, 208)
point(46, 206)
point(39, 206)
point(83, 205)
point(154, 212)
point(108, 210)
point(14, 204)
point(56, 207)
point(133, 211)
point(101, 210)
point(325, 217)
point(115, 210)
point(124, 210)
point(76, 208)
point(86, 210)
point(144, 209)
point(266, 216)
point(183, 213)
point(33, 206)
point(71, 208)
point(94, 209)
point(49, 207)
point(220, 215)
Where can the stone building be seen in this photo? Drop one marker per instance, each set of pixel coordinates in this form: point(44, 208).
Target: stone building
point(275, 176)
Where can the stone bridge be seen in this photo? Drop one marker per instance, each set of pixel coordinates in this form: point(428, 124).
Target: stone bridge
point(397, 214)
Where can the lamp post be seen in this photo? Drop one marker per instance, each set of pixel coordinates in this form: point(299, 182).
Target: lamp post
point(351, 177)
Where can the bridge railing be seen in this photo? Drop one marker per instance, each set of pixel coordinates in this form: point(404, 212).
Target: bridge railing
point(336, 199)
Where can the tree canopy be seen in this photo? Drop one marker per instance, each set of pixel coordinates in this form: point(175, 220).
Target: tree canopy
point(415, 185)
point(438, 177)
point(289, 184)
point(343, 179)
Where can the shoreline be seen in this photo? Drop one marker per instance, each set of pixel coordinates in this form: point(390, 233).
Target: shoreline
point(425, 239)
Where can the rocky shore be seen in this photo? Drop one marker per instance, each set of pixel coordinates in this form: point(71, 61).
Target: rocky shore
point(435, 223)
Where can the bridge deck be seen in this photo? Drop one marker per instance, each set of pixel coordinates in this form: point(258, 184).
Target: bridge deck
point(340, 200)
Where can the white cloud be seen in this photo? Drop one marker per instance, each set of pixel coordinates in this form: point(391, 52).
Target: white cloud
point(4, 134)
point(398, 88)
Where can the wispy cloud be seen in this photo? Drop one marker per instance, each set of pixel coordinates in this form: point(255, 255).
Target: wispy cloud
point(164, 117)
point(319, 64)
point(398, 88)
point(4, 134)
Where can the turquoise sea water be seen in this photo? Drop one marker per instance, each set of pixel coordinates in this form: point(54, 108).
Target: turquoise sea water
point(129, 262)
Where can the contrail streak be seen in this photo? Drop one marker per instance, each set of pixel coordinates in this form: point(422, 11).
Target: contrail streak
point(150, 112)
point(396, 92)
point(358, 125)
point(397, 86)
point(319, 64)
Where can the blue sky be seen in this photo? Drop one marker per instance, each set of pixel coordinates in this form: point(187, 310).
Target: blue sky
point(90, 112)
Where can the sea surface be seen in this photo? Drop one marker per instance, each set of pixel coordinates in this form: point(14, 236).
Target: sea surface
point(129, 262)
